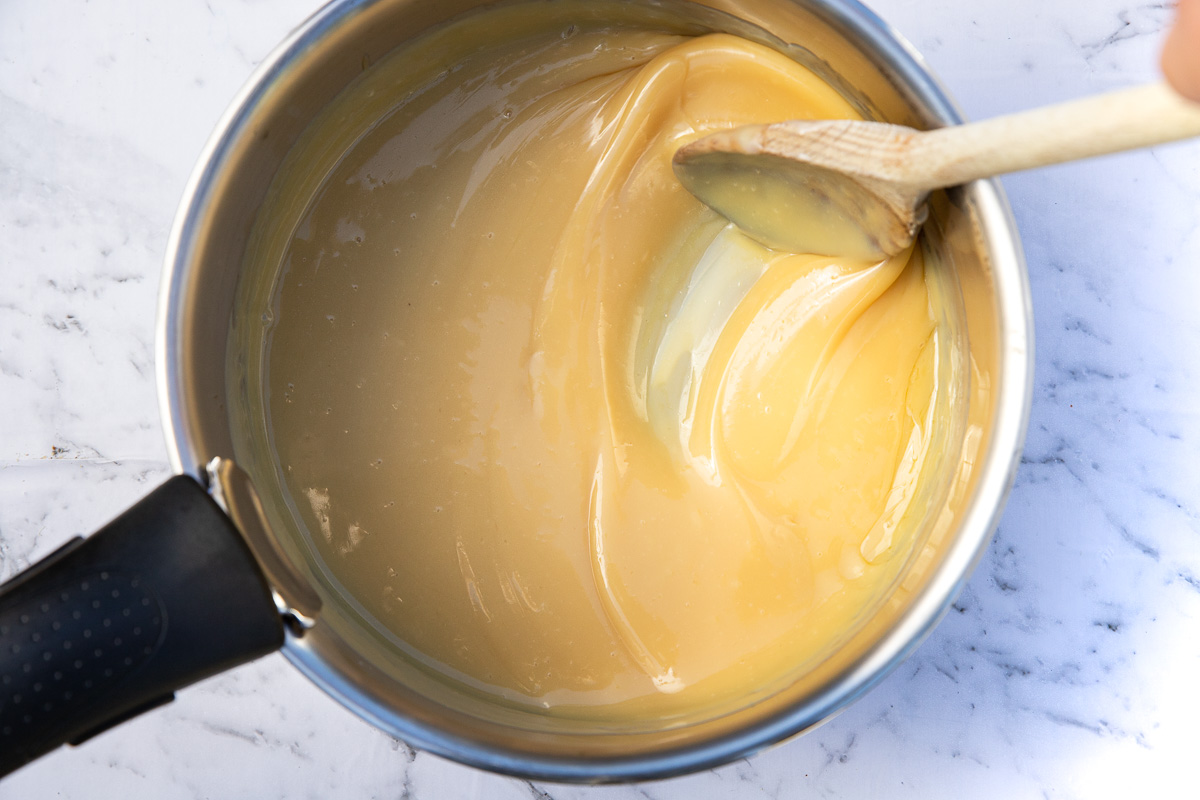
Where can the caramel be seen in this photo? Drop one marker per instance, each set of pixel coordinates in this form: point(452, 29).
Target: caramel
point(565, 435)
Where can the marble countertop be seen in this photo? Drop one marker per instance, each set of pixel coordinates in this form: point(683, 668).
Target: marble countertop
point(1068, 667)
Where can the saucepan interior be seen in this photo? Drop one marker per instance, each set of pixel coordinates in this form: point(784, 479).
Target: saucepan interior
point(982, 290)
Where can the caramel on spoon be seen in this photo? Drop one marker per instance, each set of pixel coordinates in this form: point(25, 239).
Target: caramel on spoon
point(858, 189)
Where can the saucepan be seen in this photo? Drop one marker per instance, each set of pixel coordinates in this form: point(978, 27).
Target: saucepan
point(205, 573)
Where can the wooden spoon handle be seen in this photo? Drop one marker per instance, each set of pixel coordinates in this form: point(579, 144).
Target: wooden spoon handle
point(1106, 123)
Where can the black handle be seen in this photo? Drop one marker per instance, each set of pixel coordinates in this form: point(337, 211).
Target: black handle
point(110, 626)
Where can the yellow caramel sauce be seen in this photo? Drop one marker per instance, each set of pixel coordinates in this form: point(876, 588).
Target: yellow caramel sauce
point(565, 435)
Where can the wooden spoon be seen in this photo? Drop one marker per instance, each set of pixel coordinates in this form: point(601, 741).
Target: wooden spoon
point(858, 189)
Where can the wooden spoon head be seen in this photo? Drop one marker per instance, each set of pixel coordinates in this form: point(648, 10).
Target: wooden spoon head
point(763, 179)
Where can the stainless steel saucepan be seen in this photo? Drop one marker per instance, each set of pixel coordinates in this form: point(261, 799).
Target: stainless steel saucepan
point(204, 574)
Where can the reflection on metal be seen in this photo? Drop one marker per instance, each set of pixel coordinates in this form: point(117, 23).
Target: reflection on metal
point(231, 489)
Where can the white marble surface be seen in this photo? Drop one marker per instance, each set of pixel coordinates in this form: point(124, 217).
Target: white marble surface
point(1068, 668)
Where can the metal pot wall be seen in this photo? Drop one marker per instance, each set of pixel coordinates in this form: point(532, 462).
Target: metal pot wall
point(203, 574)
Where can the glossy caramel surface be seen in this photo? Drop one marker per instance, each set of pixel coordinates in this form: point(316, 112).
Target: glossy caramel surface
point(565, 435)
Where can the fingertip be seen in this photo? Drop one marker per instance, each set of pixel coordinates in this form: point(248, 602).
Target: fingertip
point(1181, 51)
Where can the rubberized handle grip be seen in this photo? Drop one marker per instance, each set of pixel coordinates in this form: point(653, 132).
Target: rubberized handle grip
point(110, 626)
